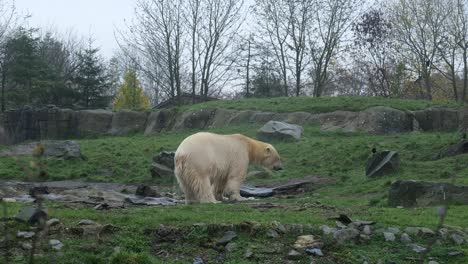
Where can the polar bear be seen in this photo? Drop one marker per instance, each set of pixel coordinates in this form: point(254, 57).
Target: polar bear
point(209, 166)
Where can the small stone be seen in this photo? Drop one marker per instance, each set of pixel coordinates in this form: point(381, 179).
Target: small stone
point(296, 228)
point(393, 230)
point(52, 222)
point(346, 234)
point(327, 230)
point(293, 254)
point(198, 260)
point(379, 230)
point(230, 247)
point(405, 238)
point(278, 227)
point(364, 237)
point(272, 233)
point(22, 234)
point(8, 200)
point(367, 230)
point(457, 239)
point(227, 237)
point(314, 252)
point(426, 231)
point(306, 241)
point(433, 262)
point(417, 248)
point(26, 246)
point(340, 225)
point(412, 230)
point(443, 232)
point(56, 244)
point(86, 222)
point(248, 253)
point(389, 236)
point(455, 253)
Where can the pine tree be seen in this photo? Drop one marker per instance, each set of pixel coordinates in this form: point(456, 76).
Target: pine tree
point(91, 79)
point(131, 95)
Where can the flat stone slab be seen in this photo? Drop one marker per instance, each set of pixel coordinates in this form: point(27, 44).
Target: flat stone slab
point(67, 149)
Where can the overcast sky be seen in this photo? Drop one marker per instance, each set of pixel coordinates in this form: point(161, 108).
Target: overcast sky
point(96, 17)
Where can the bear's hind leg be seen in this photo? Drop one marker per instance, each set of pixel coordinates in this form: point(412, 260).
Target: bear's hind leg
point(202, 190)
point(233, 190)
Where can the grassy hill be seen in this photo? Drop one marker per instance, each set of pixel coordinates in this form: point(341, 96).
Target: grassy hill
point(339, 156)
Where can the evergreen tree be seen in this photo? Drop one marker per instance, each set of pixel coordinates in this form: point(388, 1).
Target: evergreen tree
point(266, 83)
point(131, 95)
point(91, 80)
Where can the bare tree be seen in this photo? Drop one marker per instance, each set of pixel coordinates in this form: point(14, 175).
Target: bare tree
point(418, 26)
point(331, 20)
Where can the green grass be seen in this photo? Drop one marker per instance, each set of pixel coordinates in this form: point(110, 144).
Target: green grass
point(339, 156)
point(320, 105)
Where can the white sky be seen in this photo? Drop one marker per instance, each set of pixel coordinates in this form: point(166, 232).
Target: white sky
point(98, 18)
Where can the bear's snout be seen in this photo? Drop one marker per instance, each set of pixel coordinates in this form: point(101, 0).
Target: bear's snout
point(278, 167)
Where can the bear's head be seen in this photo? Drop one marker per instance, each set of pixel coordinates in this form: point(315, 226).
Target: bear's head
point(271, 159)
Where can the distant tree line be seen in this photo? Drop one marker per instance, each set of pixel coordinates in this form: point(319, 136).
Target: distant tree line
point(397, 48)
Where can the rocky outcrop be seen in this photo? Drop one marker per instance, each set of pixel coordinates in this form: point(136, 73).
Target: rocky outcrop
point(54, 123)
point(274, 130)
point(67, 149)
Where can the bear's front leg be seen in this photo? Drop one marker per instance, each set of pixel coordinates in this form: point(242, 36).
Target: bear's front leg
point(233, 190)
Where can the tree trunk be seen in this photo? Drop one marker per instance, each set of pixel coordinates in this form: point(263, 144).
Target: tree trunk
point(247, 85)
point(3, 92)
point(465, 74)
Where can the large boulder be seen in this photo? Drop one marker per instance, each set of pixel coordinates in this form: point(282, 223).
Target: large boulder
point(57, 149)
point(378, 120)
point(222, 117)
point(437, 119)
point(382, 163)
point(419, 193)
point(300, 118)
point(126, 121)
point(157, 121)
point(163, 165)
point(275, 130)
point(94, 122)
point(199, 119)
point(456, 149)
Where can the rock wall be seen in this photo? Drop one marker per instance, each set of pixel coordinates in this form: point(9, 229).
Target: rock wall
point(55, 123)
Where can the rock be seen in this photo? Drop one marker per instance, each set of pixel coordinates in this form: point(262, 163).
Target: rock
point(56, 244)
point(227, 237)
point(198, 260)
point(152, 200)
point(248, 253)
point(38, 190)
point(146, 191)
point(296, 228)
point(417, 248)
point(455, 253)
point(306, 241)
point(278, 227)
point(314, 252)
point(433, 262)
point(248, 191)
point(412, 230)
point(405, 238)
point(443, 232)
point(23, 234)
point(165, 158)
point(31, 215)
point(272, 233)
point(293, 254)
point(51, 148)
point(157, 121)
point(457, 239)
point(382, 163)
point(393, 230)
point(437, 119)
point(198, 119)
point(426, 231)
point(86, 222)
point(379, 120)
point(274, 130)
point(26, 246)
point(52, 222)
point(417, 193)
point(327, 230)
point(389, 236)
point(346, 234)
point(454, 150)
point(367, 230)
point(160, 171)
point(94, 122)
point(231, 247)
point(126, 122)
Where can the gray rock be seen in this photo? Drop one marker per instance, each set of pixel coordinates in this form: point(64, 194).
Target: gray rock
point(152, 200)
point(416, 193)
point(393, 230)
point(346, 234)
point(248, 253)
point(198, 119)
point(26, 246)
point(86, 222)
point(296, 228)
point(157, 121)
point(160, 171)
point(231, 247)
point(412, 230)
point(327, 230)
point(274, 130)
point(23, 234)
point(382, 163)
point(165, 158)
point(146, 191)
point(227, 237)
point(457, 149)
point(293, 254)
point(94, 122)
point(457, 239)
point(426, 231)
point(278, 227)
point(433, 262)
point(52, 222)
point(405, 238)
point(306, 241)
point(272, 233)
point(56, 244)
point(31, 215)
point(314, 252)
point(417, 248)
point(389, 236)
point(455, 253)
point(126, 122)
point(198, 260)
point(67, 149)
point(437, 119)
point(367, 230)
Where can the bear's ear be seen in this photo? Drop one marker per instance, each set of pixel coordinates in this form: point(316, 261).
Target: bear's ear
point(267, 151)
